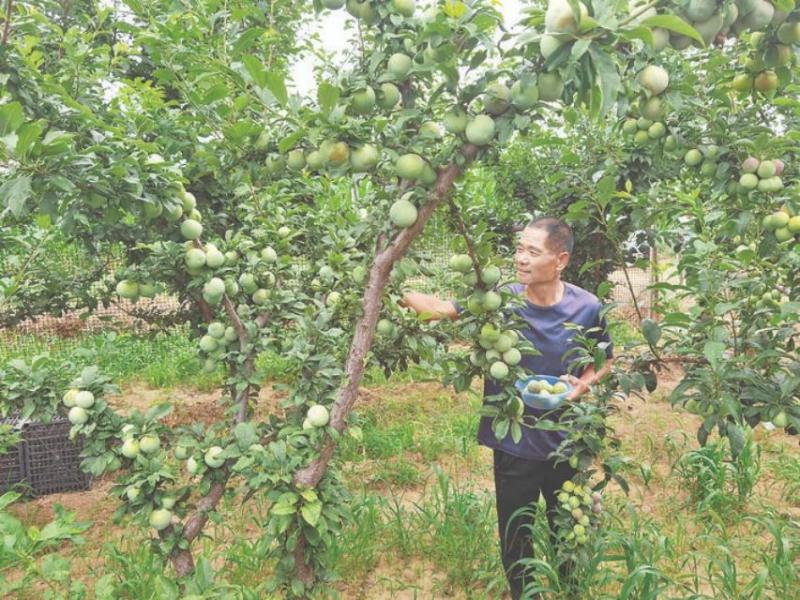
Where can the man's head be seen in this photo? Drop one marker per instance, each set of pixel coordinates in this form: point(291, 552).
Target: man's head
point(543, 251)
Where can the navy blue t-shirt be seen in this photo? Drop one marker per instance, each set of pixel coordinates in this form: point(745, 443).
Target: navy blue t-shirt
point(548, 335)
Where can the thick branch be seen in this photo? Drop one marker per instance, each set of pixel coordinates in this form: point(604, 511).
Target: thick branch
point(7, 27)
point(365, 330)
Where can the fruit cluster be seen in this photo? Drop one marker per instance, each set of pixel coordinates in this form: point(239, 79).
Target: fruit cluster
point(784, 223)
point(544, 388)
point(584, 509)
point(78, 401)
point(769, 51)
point(764, 175)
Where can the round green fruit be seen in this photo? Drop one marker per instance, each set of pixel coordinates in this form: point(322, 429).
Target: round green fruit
point(403, 214)
point(654, 79)
point(693, 157)
point(498, 370)
point(215, 287)
point(160, 518)
point(629, 127)
point(192, 466)
point(789, 33)
point(766, 81)
point(364, 158)
point(748, 181)
point(363, 101)
point(388, 96)
point(490, 275)
point(524, 94)
point(742, 82)
point(69, 397)
point(656, 131)
point(641, 138)
point(338, 154)
point(296, 160)
point(766, 169)
point(653, 109)
point(491, 301)
point(409, 166)
point(783, 234)
point(385, 327)
point(551, 86)
point(213, 457)
point(77, 415)
point(260, 297)
point(404, 7)
point(128, 289)
point(84, 399)
point(191, 229)
point(780, 420)
point(480, 130)
point(214, 258)
point(399, 65)
point(149, 443)
point(130, 448)
point(333, 299)
point(216, 329)
point(455, 120)
point(497, 98)
point(548, 44)
point(461, 263)
point(318, 416)
point(512, 357)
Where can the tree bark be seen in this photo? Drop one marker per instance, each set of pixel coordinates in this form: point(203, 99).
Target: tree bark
point(380, 271)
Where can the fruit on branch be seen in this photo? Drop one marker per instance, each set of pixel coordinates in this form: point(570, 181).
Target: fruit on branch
point(318, 416)
point(403, 213)
point(480, 130)
point(654, 79)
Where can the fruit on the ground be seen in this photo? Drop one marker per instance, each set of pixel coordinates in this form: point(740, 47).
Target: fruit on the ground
point(318, 416)
point(191, 229)
point(551, 86)
point(168, 502)
point(260, 296)
point(149, 443)
point(130, 448)
point(77, 415)
point(128, 289)
point(654, 79)
point(84, 399)
point(403, 213)
point(181, 452)
point(213, 457)
point(480, 130)
point(409, 166)
point(160, 518)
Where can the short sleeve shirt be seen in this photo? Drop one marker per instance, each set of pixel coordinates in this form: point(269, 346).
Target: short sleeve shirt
point(547, 332)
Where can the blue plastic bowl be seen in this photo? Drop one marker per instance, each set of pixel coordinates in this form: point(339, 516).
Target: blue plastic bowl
point(538, 401)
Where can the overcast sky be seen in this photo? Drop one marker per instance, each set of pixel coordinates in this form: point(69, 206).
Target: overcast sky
point(334, 36)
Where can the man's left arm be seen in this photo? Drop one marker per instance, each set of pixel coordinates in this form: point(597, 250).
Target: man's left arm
point(588, 378)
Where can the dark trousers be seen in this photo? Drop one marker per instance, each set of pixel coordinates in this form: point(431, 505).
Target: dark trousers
point(518, 483)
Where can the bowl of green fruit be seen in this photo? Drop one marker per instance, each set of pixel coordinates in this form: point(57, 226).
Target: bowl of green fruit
point(544, 392)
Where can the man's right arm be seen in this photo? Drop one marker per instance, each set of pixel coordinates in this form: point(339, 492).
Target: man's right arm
point(432, 307)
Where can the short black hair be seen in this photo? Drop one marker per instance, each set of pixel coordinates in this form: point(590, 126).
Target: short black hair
point(559, 234)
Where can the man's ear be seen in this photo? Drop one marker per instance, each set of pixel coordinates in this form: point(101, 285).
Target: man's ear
point(563, 260)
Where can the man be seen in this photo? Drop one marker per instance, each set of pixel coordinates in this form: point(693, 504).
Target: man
point(524, 470)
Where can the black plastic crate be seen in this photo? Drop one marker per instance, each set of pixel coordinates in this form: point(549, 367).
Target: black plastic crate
point(12, 464)
point(50, 461)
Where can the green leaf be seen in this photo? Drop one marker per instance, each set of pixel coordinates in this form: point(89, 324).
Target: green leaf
point(501, 429)
point(14, 193)
point(27, 134)
point(11, 118)
point(277, 86)
point(736, 438)
point(607, 77)
point(784, 5)
point(327, 96)
point(651, 331)
point(255, 69)
point(713, 352)
point(675, 24)
point(214, 93)
point(245, 434)
point(203, 574)
point(311, 512)
point(290, 141)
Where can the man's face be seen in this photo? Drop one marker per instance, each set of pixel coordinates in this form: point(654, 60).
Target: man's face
point(534, 261)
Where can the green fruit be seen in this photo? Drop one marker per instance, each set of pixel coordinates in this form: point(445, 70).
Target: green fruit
point(708, 168)
point(512, 357)
point(498, 370)
point(783, 234)
point(388, 96)
point(750, 164)
point(524, 94)
point(399, 65)
point(130, 449)
point(710, 27)
point(794, 224)
point(181, 452)
point(641, 138)
point(653, 109)
point(318, 416)
point(780, 420)
point(700, 10)
point(208, 344)
point(403, 213)
point(693, 157)
point(77, 415)
point(191, 229)
point(364, 158)
point(216, 329)
point(490, 275)
point(551, 86)
point(777, 55)
point(742, 82)
point(385, 327)
point(404, 7)
point(629, 127)
point(260, 297)
point(766, 169)
point(69, 397)
point(560, 18)
point(128, 289)
point(480, 130)
point(430, 130)
point(760, 16)
point(670, 143)
point(160, 518)
point(214, 258)
point(337, 154)
point(363, 101)
point(549, 44)
point(214, 287)
point(491, 301)
point(461, 263)
point(780, 219)
point(248, 283)
point(789, 33)
point(643, 124)
point(748, 181)
point(654, 79)
point(149, 444)
point(409, 166)
point(455, 120)
point(213, 457)
point(656, 131)
point(195, 258)
point(296, 160)
point(497, 98)
point(504, 343)
point(766, 81)
point(84, 399)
